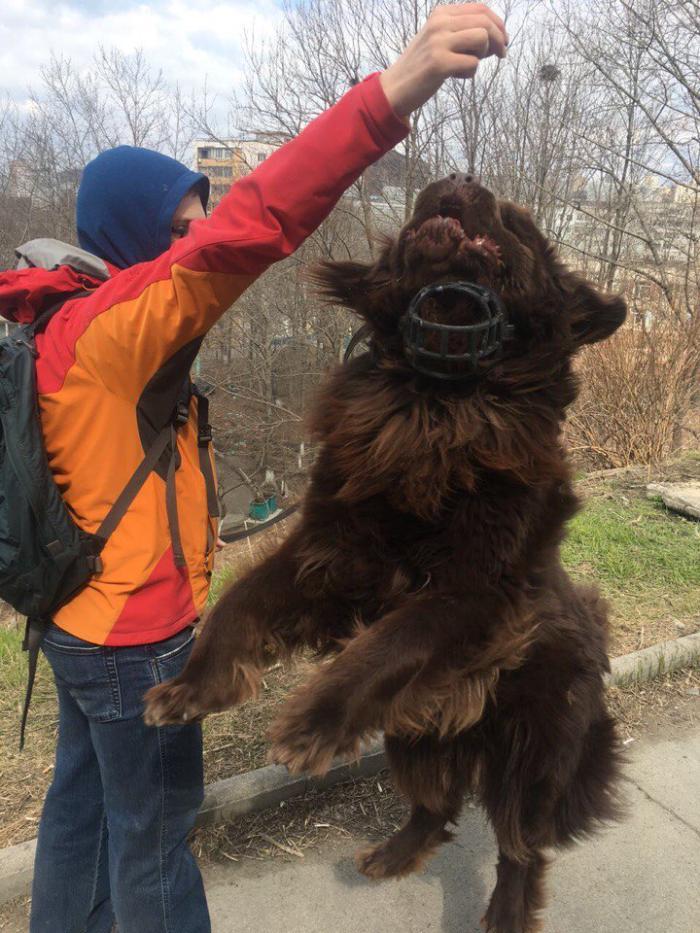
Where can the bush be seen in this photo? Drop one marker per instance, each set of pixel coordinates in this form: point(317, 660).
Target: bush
point(638, 392)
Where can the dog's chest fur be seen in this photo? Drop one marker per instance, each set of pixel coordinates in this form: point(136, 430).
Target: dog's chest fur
point(373, 554)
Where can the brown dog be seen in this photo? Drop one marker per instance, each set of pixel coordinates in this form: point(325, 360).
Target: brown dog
point(427, 560)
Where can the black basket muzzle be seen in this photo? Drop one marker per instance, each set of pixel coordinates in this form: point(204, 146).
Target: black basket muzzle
point(432, 348)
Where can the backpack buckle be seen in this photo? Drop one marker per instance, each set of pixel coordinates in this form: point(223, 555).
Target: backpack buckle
point(21, 342)
point(95, 564)
point(205, 436)
point(182, 413)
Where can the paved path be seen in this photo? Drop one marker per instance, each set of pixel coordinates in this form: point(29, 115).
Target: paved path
point(640, 877)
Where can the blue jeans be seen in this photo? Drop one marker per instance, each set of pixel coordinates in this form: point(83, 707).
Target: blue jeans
point(113, 835)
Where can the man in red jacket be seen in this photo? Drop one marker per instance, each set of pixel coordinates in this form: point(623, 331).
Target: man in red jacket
point(113, 835)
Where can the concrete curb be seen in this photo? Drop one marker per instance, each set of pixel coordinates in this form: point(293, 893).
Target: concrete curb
point(652, 662)
point(270, 786)
point(16, 870)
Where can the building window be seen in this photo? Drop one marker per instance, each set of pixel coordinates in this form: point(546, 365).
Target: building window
point(219, 153)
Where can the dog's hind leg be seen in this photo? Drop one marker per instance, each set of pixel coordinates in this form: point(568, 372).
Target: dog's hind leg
point(408, 849)
point(518, 896)
point(559, 786)
point(520, 805)
point(433, 775)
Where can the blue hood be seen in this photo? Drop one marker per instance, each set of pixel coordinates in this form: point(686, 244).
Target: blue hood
point(126, 201)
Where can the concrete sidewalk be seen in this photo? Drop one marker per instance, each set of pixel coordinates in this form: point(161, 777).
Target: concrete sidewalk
point(640, 877)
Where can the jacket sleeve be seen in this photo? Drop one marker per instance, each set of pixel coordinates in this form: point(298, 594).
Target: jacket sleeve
point(144, 315)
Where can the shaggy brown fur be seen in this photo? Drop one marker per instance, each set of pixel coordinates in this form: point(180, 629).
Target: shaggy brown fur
point(426, 564)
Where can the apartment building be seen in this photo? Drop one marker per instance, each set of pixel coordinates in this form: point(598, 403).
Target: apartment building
point(224, 161)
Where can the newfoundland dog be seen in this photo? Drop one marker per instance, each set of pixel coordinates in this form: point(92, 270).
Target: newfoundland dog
point(425, 568)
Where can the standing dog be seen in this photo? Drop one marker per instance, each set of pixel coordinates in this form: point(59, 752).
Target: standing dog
point(426, 563)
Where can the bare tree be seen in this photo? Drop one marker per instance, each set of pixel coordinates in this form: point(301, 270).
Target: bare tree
point(593, 122)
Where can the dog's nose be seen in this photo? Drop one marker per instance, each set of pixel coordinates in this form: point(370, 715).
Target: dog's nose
point(459, 178)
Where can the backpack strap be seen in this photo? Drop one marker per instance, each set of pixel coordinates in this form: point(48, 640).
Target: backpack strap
point(33, 636)
point(39, 324)
point(167, 436)
point(171, 500)
point(180, 418)
point(131, 490)
point(204, 438)
point(28, 332)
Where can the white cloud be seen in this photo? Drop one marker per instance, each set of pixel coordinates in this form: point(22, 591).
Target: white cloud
point(189, 41)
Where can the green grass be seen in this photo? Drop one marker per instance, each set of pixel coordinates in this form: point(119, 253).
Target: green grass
point(639, 542)
point(645, 558)
point(219, 581)
point(13, 665)
point(23, 776)
point(13, 677)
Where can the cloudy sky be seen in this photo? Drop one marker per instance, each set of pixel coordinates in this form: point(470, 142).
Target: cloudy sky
point(188, 40)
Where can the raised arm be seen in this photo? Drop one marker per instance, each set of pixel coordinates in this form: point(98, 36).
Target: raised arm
point(146, 314)
point(150, 312)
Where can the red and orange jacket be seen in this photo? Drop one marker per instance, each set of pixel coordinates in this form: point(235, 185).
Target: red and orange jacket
point(111, 365)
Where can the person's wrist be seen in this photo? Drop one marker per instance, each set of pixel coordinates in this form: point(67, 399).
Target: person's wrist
point(402, 91)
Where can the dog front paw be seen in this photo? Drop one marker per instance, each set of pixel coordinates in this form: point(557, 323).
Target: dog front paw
point(172, 702)
point(187, 700)
point(309, 739)
point(311, 753)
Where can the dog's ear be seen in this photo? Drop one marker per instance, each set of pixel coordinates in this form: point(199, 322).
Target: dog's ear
point(594, 315)
point(343, 282)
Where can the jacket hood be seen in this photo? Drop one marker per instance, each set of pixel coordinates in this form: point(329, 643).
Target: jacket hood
point(126, 201)
point(47, 271)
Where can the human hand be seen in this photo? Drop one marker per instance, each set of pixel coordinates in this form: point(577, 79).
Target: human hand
point(451, 44)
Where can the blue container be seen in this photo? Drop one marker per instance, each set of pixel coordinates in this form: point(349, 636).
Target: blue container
point(260, 511)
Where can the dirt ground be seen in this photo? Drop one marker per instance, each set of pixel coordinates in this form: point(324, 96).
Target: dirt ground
point(682, 469)
point(235, 741)
point(371, 808)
